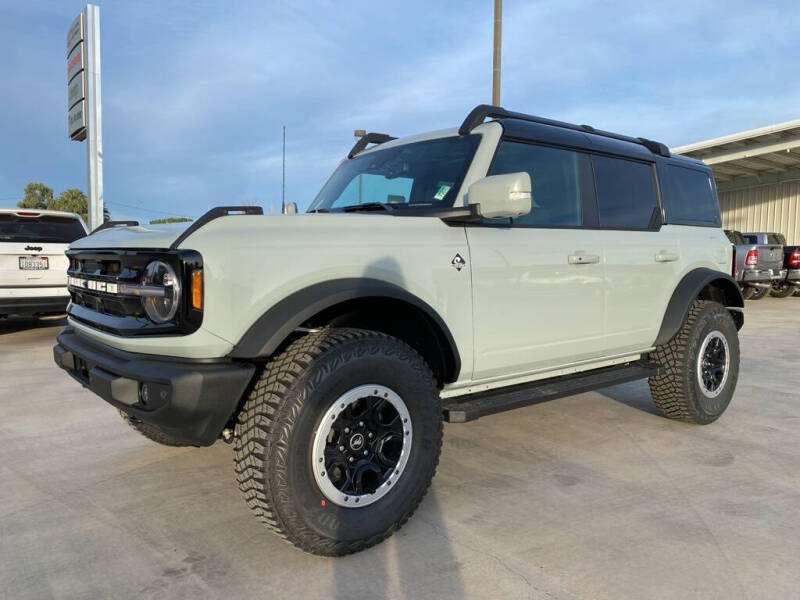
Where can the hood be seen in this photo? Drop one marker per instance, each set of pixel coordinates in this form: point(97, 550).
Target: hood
point(284, 230)
point(141, 236)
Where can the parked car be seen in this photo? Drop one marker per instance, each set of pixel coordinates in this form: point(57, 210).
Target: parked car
point(448, 275)
point(770, 255)
point(753, 279)
point(791, 261)
point(33, 266)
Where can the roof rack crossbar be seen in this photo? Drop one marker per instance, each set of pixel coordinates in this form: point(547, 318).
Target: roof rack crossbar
point(483, 111)
point(367, 139)
point(110, 224)
point(215, 213)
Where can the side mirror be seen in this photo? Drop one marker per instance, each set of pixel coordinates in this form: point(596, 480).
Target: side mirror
point(501, 195)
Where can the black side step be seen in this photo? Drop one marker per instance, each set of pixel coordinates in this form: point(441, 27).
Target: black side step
point(468, 408)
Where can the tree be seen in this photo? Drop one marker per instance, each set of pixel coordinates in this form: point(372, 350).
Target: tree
point(36, 195)
point(75, 201)
point(170, 220)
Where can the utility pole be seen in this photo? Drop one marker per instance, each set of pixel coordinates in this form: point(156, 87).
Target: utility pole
point(283, 177)
point(498, 32)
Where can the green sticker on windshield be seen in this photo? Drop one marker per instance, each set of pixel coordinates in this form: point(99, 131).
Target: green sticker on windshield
point(442, 192)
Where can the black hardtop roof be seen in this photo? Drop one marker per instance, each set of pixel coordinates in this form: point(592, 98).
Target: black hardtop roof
point(527, 127)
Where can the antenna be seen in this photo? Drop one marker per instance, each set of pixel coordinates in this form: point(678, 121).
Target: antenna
point(283, 178)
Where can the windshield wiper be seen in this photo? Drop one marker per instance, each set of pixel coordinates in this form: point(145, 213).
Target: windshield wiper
point(369, 206)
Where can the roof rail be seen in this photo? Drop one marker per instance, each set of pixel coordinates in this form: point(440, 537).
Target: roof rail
point(479, 114)
point(369, 138)
point(215, 213)
point(110, 224)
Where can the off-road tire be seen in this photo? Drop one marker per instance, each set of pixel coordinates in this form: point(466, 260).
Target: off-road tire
point(152, 433)
point(783, 292)
point(677, 391)
point(276, 425)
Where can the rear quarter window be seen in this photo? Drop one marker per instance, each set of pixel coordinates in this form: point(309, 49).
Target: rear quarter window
point(688, 197)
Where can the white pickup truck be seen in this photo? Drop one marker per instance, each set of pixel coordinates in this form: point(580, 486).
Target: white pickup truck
point(33, 266)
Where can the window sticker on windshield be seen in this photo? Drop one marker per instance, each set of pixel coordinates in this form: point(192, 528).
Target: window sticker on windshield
point(442, 192)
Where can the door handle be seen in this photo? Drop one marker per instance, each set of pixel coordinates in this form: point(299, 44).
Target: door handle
point(666, 257)
point(583, 259)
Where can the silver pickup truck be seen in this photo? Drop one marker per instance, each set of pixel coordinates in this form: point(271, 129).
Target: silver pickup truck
point(789, 279)
point(757, 264)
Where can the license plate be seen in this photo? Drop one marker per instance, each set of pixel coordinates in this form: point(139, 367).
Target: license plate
point(33, 263)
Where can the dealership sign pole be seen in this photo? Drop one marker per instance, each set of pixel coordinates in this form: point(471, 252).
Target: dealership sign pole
point(84, 120)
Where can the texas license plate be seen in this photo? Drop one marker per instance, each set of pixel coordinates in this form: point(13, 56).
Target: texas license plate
point(33, 263)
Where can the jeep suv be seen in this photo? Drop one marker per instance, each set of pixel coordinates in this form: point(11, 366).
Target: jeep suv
point(445, 276)
point(33, 267)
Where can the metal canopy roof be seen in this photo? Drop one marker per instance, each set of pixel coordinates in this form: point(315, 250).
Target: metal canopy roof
point(765, 151)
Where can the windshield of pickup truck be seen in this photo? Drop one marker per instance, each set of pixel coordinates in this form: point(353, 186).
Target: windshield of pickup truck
point(420, 174)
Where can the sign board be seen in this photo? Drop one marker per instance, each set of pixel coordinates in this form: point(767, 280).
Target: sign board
point(76, 90)
point(75, 33)
point(76, 121)
point(75, 62)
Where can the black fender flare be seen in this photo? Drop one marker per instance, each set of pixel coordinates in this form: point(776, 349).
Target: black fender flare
point(270, 330)
point(688, 290)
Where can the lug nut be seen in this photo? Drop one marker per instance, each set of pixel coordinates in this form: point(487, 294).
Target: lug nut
point(341, 448)
point(347, 430)
point(351, 459)
point(365, 452)
point(370, 435)
point(361, 423)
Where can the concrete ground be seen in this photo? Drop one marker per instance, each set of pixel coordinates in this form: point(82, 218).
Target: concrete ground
point(594, 496)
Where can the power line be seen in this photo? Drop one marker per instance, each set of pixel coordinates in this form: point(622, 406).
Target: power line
point(160, 212)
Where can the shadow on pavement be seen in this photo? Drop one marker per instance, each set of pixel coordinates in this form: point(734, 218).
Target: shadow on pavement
point(635, 394)
point(16, 324)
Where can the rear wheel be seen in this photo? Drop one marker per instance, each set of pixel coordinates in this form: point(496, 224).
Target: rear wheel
point(152, 433)
point(781, 289)
point(338, 441)
point(701, 366)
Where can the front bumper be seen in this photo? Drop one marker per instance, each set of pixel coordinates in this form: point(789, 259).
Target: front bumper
point(191, 400)
point(12, 305)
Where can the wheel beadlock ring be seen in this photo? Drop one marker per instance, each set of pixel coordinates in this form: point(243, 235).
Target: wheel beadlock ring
point(714, 355)
point(377, 456)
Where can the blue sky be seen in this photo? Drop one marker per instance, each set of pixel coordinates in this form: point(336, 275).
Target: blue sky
point(195, 93)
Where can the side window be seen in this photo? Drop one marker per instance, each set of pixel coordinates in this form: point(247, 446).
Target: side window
point(751, 239)
point(375, 188)
point(626, 192)
point(688, 197)
point(555, 176)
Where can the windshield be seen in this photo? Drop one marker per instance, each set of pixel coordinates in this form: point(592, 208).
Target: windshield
point(421, 174)
point(62, 230)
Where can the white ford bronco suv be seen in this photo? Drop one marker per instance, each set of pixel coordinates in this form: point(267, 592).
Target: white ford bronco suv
point(445, 276)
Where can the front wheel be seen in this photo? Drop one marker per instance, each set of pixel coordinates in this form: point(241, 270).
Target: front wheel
point(338, 441)
point(701, 366)
point(781, 289)
point(758, 293)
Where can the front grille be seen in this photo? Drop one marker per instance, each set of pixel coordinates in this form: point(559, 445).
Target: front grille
point(117, 312)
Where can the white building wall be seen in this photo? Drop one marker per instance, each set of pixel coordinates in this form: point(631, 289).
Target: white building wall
point(770, 207)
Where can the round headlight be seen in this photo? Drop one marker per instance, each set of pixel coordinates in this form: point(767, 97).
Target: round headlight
point(161, 308)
